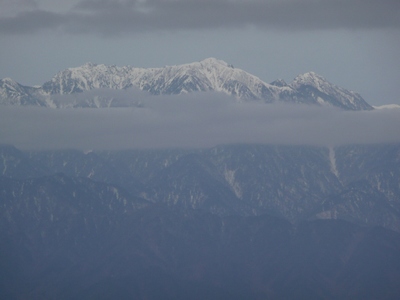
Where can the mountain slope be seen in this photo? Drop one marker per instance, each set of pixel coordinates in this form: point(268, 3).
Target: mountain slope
point(93, 246)
point(314, 86)
point(355, 183)
point(13, 93)
point(212, 228)
point(209, 75)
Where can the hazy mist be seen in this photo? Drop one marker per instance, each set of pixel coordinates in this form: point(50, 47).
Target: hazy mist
point(193, 121)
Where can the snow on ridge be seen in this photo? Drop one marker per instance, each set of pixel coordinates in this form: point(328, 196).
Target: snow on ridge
point(387, 106)
point(313, 79)
point(214, 61)
point(209, 74)
point(8, 80)
point(344, 96)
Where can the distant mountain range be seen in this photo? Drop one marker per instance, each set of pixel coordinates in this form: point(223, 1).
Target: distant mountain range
point(231, 222)
point(355, 183)
point(209, 75)
point(240, 221)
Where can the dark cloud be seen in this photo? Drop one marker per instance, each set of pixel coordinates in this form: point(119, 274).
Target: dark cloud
point(31, 22)
point(12, 7)
point(114, 17)
point(198, 120)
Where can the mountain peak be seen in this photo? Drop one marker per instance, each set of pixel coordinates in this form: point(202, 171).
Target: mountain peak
point(279, 83)
point(210, 74)
point(314, 80)
point(214, 61)
point(89, 64)
point(315, 86)
point(309, 78)
point(9, 81)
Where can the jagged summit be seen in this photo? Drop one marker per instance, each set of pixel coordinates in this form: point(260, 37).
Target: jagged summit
point(309, 78)
point(208, 75)
point(279, 83)
point(314, 85)
point(214, 61)
point(88, 65)
point(8, 80)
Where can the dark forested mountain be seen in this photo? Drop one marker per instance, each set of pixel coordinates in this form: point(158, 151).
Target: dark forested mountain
point(209, 75)
point(238, 221)
point(355, 183)
point(230, 222)
point(63, 240)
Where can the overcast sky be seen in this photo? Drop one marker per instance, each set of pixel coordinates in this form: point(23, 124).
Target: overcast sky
point(353, 43)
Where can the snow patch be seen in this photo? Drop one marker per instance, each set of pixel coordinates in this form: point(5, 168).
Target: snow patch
point(116, 193)
point(388, 106)
point(4, 164)
point(230, 178)
point(320, 101)
point(332, 159)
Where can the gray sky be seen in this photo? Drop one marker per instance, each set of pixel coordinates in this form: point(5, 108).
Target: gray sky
point(353, 43)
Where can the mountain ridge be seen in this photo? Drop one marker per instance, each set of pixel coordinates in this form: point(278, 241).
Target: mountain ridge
point(208, 75)
point(66, 248)
point(354, 183)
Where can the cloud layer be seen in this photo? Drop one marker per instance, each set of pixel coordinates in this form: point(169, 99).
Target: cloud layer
point(116, 17)
point(194, 121)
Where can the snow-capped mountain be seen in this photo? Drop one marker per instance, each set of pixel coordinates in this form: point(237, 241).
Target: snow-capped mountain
point(204, 76)
point(208, 75)
point(13, 93)
point(313, 86)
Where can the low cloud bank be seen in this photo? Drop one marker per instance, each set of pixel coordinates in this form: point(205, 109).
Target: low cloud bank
point(194, 121)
